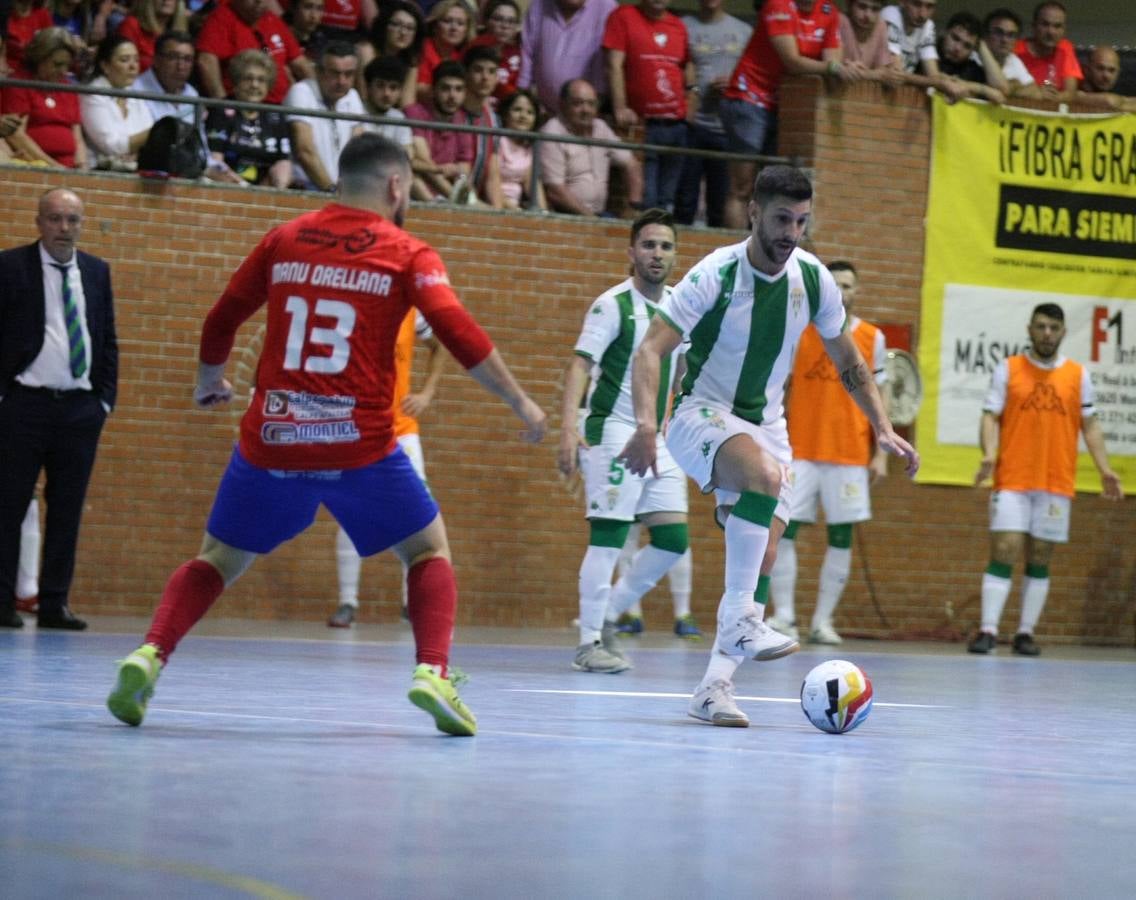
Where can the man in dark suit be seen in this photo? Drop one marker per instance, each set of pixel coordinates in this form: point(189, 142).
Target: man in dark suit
point(58, 378)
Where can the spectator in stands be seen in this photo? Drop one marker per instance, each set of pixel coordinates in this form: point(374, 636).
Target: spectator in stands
point(519, 112)
point(1102, 72)
point(716, 42)
point(51, 131)
point(503, 33)
point(1049, 55)
point(399, 31)
point(115, 127)
point(348, 20)
point(147, 21)
point(316, 142)
point(1001, 30)
point(562, 40)
point(87, 23)
point(254, 146)
point(801, 38)
point(450, 27)
point(576, 175)
point(864, 39)
point(384, 78)
point(480, 65)
point(964, 56)
point(25, 18)
point(441, 159)
point(648, 68)
point(245, 25)
point(173, 64)
point(911, 37)
point(304, 18)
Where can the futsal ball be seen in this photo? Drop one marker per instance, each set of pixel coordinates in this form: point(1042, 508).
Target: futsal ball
point(836, 696)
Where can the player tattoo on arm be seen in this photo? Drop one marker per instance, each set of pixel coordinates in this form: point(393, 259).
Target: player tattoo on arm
point(854, 377)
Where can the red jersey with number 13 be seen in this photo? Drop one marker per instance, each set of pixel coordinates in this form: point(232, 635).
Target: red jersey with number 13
point(338, 284)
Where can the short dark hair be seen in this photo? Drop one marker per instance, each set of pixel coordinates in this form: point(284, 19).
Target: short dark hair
point(173, 37)
point(449, 68)
point(480, 52)
point(1001, 12)
point(966, 21)
point(1045, 4)
point(385, 68)
point(338, 49)
point(106, 48)
point(1052, 310)
point(842, 265)
point(781, 181)
point(653, 216)
point(367, 158)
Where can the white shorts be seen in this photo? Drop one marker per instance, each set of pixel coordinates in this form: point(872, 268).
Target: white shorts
point(611, 492)
point(696, 433)
point(842, 491)
point(411, 445)
point(1039, 514)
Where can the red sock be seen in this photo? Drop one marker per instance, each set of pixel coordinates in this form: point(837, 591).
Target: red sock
point(189, 593)
point(432, 597)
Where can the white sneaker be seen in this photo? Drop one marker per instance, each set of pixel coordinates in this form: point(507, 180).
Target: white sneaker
point(715, 705)
point(749, 636)
point(825, 634)
point(594, 658)
point(783, 626)
point(609, 641)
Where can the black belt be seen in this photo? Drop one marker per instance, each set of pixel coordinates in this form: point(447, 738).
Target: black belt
point(52, 393)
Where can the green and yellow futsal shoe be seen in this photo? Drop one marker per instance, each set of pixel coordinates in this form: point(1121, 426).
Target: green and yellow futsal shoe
point(435, 694)
point(137, 675)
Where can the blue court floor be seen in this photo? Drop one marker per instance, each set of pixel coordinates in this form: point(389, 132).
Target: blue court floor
point(283, 760)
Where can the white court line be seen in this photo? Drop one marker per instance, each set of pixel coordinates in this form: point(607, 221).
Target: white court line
point(687, 697)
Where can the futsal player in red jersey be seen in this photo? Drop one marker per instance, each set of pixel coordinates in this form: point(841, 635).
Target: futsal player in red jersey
point(338, 282)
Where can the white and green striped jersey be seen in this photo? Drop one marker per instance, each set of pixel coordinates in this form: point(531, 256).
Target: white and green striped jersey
point(743, 327)
point(613, 329)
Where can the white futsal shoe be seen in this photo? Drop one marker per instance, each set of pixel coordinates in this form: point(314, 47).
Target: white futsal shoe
point(714, 704)
point(748, 636)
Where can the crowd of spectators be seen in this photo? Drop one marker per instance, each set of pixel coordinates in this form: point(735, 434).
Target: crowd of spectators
point(591, 69)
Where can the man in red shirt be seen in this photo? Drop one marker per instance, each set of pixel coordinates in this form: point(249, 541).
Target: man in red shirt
point(789, 38)
point(247, 25)
point(1049, 55)
point(648, 67)
point(338, 283)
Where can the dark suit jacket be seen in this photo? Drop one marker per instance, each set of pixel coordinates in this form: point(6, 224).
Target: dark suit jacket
point(22, 317)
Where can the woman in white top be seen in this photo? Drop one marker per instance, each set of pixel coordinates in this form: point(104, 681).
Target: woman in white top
point(518, 111)
point(116, 127)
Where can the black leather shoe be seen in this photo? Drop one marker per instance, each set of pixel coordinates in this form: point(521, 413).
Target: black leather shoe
point(64, 619)
point(9, 618)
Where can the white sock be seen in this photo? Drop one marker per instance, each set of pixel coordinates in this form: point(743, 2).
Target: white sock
point(783, 581)
point(995, 590)
point(834, 573)
point(629, 549)
point(720, 667)
point(595, 589)
point(27, 577)
point(348, 563)
point(650, 564)
point(680, 577)
point(745, 547)
point(1034, 592)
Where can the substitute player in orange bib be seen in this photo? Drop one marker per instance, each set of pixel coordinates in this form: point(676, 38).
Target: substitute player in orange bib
point(1037, 404)
point(833, 461)
point(338, 284)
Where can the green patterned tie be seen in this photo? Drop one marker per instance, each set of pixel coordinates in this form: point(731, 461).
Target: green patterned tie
point(74, 326)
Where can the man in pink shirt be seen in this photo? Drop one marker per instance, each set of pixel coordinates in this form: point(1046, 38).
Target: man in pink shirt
point(864, 37)
point(562, 40)
point(1049, 55)
point(576, 175)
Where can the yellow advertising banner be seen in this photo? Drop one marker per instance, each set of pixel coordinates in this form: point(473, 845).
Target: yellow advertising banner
point(1026, 208)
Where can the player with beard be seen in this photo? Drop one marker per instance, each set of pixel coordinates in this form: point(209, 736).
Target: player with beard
point(613, 327)
point(338, 283)
point(743, 308)
point(1037, 404)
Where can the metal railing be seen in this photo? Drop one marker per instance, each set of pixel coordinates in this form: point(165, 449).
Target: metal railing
point(202, 103)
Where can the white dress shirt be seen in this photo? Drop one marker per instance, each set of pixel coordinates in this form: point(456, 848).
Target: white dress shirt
point(52, 367)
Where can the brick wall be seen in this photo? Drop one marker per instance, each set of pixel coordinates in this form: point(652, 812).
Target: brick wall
point(517, 535)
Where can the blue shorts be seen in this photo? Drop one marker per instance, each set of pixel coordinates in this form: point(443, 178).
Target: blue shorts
point(378, 505)
point(749, 127)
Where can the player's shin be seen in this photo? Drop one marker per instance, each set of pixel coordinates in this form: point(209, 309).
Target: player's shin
point(191, 590)
point(432, 596)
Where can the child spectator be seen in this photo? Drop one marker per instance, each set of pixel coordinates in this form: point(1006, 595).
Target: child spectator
point(503, 33)
point(52, 132)
point(399, 31)
point(116, 127)
point(450, 27)
point(518, 112)
point(254, 146)
point(146, 22)
point(480, 82)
